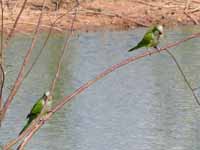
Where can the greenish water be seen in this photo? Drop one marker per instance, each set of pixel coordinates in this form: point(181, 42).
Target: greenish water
point(143, 106)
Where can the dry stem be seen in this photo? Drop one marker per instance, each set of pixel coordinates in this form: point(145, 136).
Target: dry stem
point(19, 79)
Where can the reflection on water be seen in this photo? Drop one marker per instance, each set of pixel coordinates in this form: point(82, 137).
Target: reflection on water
point(142, 106)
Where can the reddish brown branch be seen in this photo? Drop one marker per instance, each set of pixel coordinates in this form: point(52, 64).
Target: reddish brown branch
point(25, 141)
point(2, 30)
point(1, 54)
point(184, 77)
point(62, 54)
point(15, 23)
point(113, 68)
point(20, 137)
point(2, 75)
point(191, 17)
point(45, 42)
point(40, 52)
point(19, 79)
point(117, 66)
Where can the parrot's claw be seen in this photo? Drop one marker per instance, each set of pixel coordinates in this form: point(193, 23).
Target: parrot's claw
point(157, 49)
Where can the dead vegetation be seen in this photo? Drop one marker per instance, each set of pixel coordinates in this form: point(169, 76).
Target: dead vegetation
point(93, 14)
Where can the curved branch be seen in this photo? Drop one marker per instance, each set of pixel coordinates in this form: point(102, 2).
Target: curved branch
point(184, 77)
point(115, 67)
point(1, 52)
point(2, 84)
point(16, 22)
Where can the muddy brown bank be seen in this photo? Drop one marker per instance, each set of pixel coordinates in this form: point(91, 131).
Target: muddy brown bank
point(101, 14)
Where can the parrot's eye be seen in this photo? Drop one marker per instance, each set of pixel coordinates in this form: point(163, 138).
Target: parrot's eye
point(160, 32)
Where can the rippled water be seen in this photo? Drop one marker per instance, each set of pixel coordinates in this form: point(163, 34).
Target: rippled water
point(145, 105)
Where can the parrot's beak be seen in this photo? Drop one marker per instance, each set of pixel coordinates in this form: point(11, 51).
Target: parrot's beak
point(161, 34)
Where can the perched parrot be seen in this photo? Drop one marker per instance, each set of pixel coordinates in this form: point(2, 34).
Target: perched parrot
point(150, 39)
point(38, 108)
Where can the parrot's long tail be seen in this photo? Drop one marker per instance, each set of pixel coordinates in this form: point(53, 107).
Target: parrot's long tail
point(28, 123)
point(134, 48)
point(24, 128)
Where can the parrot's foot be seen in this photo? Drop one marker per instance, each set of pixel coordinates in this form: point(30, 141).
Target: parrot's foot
point(42, 121)
point(157, 49)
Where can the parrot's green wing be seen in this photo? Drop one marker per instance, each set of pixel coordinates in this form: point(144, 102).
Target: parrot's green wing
point(145, 42)
point(35, 111)
point(37, 108)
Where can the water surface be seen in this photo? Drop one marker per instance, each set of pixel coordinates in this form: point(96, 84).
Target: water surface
point(145, 105)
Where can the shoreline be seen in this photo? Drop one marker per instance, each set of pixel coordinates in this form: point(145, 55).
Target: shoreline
point(103, 14)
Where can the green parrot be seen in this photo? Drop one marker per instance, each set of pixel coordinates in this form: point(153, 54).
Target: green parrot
point(38, 108)
point(150, 39)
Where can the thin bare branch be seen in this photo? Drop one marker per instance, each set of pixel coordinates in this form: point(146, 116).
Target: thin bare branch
point(2, 75)
point(19, 79)
point(38, 55)
point(42, 48)
point(20, 137)
point(27, 139)
point(187, 4)
point(1, 54)
point(16, 22)
point(22, 145)
point(184, 77)
point(2, 32)
point(113, 68)
point(191, 17)
point(62, 54)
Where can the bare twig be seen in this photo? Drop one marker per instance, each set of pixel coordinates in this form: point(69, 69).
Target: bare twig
point(113, 68)
point(158, 5)
point(184, 77)
point(2, 32)
point(62, 54)
point(1, 54)
point(22, 145)
point(35, 24)
point(15, 24)
point(2, 75)
point(38, 55)
point(19, 79)
point(194, 10)
point(20, 137)
point(187, 4)
point(42, 48)
point(187, 13)
point(191, 17)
